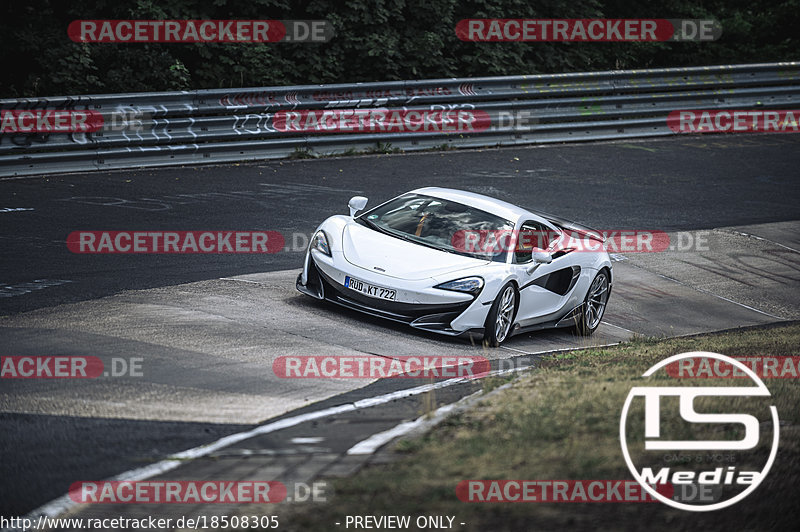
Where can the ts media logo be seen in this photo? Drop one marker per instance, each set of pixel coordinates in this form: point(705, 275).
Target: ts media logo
point(700, 452)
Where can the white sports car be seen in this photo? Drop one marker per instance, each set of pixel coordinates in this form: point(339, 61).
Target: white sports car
point(459, 263)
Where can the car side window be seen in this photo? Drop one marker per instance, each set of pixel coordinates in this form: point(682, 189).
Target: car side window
point(531, 235)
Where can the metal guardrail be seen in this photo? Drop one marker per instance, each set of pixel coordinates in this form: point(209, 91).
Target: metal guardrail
point(221, 125)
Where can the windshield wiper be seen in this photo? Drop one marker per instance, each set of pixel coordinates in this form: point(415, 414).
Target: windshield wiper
point(429, 245)
point(376, 227)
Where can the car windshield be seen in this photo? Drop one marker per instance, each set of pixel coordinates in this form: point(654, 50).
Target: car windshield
point(442, 224)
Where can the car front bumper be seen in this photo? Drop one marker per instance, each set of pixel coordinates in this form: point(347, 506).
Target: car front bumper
point(429, 316)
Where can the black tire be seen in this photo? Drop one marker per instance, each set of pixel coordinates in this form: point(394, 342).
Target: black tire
point(594, 304)
point(505, 309)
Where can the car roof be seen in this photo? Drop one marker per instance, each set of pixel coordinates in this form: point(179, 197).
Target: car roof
point(488, 204)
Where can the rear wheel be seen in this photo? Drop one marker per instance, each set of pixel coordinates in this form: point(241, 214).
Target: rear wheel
point(501, 316)
point(594, 305)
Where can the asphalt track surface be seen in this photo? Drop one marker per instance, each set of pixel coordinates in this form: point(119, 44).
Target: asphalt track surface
point(209, 326)
point(669, 184)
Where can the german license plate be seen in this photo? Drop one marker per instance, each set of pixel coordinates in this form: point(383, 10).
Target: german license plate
point(370, 290)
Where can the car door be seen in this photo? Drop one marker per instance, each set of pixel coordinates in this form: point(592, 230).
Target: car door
point(544, 288)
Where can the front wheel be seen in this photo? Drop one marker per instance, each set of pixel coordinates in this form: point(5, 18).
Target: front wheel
point(594, 306)
point(501, 316)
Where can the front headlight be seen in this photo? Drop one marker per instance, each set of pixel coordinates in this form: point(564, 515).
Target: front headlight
point(470, 285)
point(320, 243)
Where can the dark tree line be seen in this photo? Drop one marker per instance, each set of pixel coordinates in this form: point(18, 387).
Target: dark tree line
point(375, 40)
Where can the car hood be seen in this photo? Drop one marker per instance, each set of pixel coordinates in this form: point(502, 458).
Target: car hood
point(377, 252)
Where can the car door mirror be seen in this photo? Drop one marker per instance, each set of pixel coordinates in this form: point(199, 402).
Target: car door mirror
point(541, 257)
point(356, 203)
point(537, 259)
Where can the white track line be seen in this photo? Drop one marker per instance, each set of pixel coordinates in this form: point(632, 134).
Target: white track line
point(62, 504)
point(722, 229)
point(618, 327)
point(548, 351)
point(238, 280)
point(515, 350)
point(371, 444)
point(376, 441)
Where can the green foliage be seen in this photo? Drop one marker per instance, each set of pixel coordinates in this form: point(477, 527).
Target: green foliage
point(382, 147)
point(376, 40)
